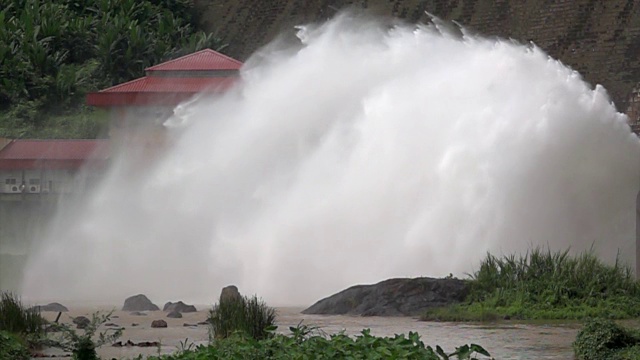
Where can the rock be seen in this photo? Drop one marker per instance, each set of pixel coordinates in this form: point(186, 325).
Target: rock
point(174, 314)
point(393, 297)
point(111, 325)
point(203, 323)
point(230, 293)
point(158, 324)
point(179, 307)
point(134, 324)
point(137, 313)
point(189, 325)
point(54, 307)
point(139, 303)
point(81, 322)
point(148, 344)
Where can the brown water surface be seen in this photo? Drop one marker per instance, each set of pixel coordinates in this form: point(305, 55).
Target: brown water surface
point(505, 340)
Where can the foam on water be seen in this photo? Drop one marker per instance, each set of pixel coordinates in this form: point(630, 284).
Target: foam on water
point(365, 152)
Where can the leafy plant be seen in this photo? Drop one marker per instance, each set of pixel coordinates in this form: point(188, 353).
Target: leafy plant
point(12, 347)
point(83, 346)
point(602, 339)
point(306, 343)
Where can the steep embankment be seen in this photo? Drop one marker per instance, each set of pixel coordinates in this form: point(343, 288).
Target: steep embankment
point(600, 39)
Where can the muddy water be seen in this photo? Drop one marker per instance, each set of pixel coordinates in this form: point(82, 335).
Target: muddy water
point(505, 341)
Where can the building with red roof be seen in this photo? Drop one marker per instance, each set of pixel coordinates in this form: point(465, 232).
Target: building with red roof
point(172, 82)
point(48, 166)
point(139, 108)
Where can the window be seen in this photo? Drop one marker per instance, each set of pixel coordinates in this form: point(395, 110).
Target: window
point(10, 181)
point(34, 181)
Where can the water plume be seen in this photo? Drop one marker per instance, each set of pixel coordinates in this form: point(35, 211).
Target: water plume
point(367, 150)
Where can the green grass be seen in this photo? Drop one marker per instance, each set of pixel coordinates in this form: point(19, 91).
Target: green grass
point(17, 319)
point(250, 316)
point(546, 285)
point(304, 343)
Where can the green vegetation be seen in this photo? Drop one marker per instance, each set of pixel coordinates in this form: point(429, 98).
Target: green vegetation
point(602, 339)
point(546, 285)
point(17, 319)
point(250, 316)
point(53, 52)
point(12, 347)
point(20, 327)
point(83, 346)
point(303, 343)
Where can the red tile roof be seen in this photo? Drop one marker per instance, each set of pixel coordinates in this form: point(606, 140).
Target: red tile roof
point(172, 85)
point(206, 59)
point(29, 154)
point(151, 90)
point(173, 82)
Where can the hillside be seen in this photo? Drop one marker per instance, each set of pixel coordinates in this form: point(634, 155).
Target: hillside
point(600, 39)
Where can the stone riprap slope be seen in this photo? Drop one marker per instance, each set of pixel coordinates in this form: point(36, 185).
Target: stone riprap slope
point(600, 39)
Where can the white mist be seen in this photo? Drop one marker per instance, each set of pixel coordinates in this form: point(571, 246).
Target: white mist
point(364, 153)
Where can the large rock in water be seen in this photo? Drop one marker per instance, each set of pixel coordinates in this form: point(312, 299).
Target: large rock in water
point(393, 297)
point(179, 307)
point(139, 303)
point(230, 293)
point(55, 307)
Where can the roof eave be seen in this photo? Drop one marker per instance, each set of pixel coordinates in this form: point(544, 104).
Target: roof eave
point(109, 99)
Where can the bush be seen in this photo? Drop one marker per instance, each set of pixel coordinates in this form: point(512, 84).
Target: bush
point(250, 316)
point(83, 346)
point(12, 347)
point(602, 339)
point(305, 344)
point(16, 318)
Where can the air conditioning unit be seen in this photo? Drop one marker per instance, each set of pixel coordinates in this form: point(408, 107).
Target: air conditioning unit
point(12, 189)
point(34, 189)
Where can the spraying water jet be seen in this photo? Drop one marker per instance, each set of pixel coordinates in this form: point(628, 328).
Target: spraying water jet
point(366, 152)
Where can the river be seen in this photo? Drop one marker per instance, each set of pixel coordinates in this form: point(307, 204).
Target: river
point(507, 340)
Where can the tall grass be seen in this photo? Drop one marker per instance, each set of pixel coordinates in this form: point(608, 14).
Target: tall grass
point(250, 316)
point(548, 284)
point(16, 318)
point(556, 278)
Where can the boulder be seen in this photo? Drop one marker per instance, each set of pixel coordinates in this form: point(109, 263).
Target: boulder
point(174, 314)
point(393, 297)
point(81, 322)
point(54, 307)
point(230, 293)
point(139, 303)
point(179, 307)
point(137, 313)
point(158, 324)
